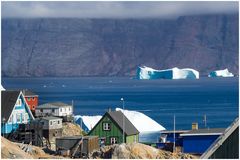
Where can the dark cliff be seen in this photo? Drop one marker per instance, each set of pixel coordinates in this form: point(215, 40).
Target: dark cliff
point(115, 47)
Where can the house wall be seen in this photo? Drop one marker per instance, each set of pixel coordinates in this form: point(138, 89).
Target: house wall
point(115, 131)
point(198, 144)
point(19, 115)
point(32, 102)
point(52, 124)
point(61, 111)
point(132, 138)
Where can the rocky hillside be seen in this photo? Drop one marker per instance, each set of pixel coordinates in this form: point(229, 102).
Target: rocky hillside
point(10, 150)
point(115, 47)
point(137, 151)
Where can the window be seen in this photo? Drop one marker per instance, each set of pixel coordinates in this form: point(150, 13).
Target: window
point(58, 122)
point(28, 98)
point(113, 140)
point(26, 117)
point(106, 126)
point(41, 110)
point(50, 123)
point(33, 107)
point(18, 117)
point(69, 109)
point(19, 102)
point(60, 109)
point(33, 98)
point(52, 110)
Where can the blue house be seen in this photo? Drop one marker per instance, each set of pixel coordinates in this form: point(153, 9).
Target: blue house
point(14, 111)
point(197, 141)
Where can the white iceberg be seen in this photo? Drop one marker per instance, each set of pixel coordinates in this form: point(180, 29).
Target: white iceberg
point(142, 122)
point(174, 73)
point(87, 122)
point(221, 73)
point(2, 89)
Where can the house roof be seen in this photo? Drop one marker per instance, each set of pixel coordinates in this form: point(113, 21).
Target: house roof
point(50, 118)
point(8, 101)
point(118, 116)
point(172, 131)
point(28, 93)
point(52, 105)
point(207, 131)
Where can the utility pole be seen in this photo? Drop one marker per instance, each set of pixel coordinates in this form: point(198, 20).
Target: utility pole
point(123, 138)
point(205, 120)
point(174, 123)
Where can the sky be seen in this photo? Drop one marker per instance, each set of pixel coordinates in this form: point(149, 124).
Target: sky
point(115, 9)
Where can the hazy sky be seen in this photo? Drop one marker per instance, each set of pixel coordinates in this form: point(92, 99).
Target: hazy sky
point(115, 9)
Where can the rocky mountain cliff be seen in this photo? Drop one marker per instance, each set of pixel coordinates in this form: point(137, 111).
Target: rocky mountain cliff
point(115, 47)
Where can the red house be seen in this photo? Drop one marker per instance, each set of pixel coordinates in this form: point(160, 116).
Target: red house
point(31, 99)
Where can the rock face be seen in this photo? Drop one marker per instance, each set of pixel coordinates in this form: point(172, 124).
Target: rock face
point(137, 151)
point(116, 47)
point(221, 73)
point(174, 73)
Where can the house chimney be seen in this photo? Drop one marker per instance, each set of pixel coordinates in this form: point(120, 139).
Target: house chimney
point(194, 126)
point(109, 109)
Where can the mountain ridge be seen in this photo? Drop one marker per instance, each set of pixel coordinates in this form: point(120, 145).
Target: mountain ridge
point(63, 47)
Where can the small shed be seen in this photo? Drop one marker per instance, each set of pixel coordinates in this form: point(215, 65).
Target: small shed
point(197, 141)
point(76, 146)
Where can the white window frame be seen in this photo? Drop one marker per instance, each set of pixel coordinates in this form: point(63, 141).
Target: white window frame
point(106, 126)
point(113, 140)
point(18, 115)
point(26, 117)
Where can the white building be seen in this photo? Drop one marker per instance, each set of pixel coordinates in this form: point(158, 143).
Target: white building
point(54, 109)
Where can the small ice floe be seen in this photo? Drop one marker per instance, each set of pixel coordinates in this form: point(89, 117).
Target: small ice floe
point(44, 86)
point(63, 85)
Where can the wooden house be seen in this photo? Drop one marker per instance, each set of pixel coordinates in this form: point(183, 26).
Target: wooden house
point(31, 99)
point(226, 146)
point(52, 127)
point(57, 109)
point(14, 111)
point(110, 129)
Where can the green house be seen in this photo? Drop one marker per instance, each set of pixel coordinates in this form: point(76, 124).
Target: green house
point(110, 129)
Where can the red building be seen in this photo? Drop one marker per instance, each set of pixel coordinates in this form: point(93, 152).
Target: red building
point(31, 99)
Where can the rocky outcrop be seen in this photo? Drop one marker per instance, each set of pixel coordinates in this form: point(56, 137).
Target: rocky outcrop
point(116, 47)
point(137, 151)
point(71, 129)
point(11, 150)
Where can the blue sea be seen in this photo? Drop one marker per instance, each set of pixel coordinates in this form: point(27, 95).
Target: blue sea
point(189, 100)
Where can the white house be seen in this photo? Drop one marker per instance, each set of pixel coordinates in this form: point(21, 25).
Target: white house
point(54, 109)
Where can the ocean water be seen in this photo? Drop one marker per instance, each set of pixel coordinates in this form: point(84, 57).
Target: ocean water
point(189, 100)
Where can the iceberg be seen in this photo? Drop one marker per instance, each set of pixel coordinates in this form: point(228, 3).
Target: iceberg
point(174, 73)
point(221, 73)
point(2, 89)
point(87, 122)
point(142, 122)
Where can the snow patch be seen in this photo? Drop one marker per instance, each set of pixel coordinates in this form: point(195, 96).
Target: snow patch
point(174, 73)
point(87, 122)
